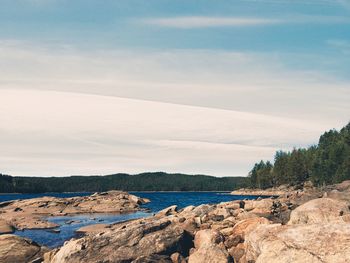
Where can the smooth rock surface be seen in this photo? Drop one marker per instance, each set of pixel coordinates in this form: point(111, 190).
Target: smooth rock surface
point(15, 249)
point(320, 210)
point(31, 213)
point(127, 243)
point(316, 243)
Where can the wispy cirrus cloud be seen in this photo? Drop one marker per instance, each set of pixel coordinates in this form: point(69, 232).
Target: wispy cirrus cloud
point(188, 22)
point(205, 21)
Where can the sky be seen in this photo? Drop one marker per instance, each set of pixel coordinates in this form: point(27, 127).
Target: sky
point(192, 86)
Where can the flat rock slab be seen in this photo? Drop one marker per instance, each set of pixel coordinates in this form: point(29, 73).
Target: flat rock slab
point(92, 229)
point(15, 249)
point(317, 243)
point(31, 213)
point(126, 243)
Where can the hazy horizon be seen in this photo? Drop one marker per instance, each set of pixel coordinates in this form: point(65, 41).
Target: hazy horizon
point(195, 87)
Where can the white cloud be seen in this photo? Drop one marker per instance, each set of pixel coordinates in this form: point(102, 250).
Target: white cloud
point(62, 113)
point(201, 21)
point(228, 80)
point(57, 133)
point(188, 22)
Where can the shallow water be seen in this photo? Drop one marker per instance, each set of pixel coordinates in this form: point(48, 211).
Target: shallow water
point(67, 230)
point(159, 201)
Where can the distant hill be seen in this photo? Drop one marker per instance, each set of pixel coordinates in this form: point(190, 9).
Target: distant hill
point(157, 181)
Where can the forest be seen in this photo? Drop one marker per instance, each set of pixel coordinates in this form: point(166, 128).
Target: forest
point(157, 181)
point(328, 162)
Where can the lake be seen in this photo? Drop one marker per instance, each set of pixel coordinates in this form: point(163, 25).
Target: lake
point(159, 200)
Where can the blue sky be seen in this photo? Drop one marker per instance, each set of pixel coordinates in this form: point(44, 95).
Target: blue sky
point(271, 74)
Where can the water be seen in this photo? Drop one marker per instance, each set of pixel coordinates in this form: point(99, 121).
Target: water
point(159, 201)
point(67, 230)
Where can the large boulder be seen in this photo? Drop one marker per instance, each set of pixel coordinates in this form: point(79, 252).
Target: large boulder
point(213, 254)
point(127, 243)
point(343, 186)
point(15, 249)
point(207, 237)
point(167, 211)
point(260, 207)
point(320, 210)
point(317, 243)
point(245, 226)
point(209, 248)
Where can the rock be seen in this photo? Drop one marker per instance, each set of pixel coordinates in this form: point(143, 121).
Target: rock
point(93, 229)
point(153, 259)
point(188, 208)
point(32, 213)
point(211, 254)
point(320, 210)
point(220, 214)
point(227, 231)
point(237, 252)
point(55, 231)
point(127, 242)
point(202, 210)
point(343, 186)
point(245, 215)
point(5, 228)
point(317, 243)
point(233, 205)
point(242, 228)
point(168, 211)
point(207, 237)
point(177, 258)
point(69, 222)
point(259, 192)
point(262, 206)
point(15, 249)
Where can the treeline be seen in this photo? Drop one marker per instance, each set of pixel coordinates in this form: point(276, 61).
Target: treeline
point(157, 181)
point(327, 162)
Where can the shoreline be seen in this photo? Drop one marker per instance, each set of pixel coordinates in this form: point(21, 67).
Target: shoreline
point(119, 190)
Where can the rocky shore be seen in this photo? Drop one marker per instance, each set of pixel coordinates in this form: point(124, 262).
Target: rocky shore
point(275, 191)
point(307, 225)
point(32, 213)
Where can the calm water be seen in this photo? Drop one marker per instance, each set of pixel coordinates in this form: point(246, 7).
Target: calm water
point(159, 200)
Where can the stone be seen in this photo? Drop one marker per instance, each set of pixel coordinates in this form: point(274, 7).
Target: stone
point(208, 237)
point(242, 228)
point(237, 252)
point(93, 229)
point(177, 258)
point(262, 207)
point(320, 210)
point(343, 186)
point(168, 211)
point(227, 231)
point(153, 259)
point(211, 254)
point(125, 244)
point(317, 243)
point(15, 249)
point(32, 213)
